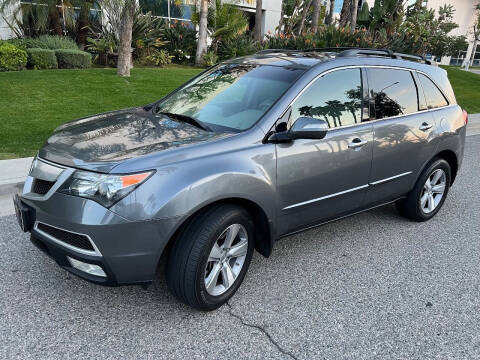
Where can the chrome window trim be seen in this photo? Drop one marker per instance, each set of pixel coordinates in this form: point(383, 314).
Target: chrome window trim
point(369, 66)
point(96, 252)
point(381, 181)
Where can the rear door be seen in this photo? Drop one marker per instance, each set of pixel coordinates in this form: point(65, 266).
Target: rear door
point(403, 132)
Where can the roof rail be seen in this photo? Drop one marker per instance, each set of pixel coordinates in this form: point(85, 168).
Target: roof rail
point(353, 51)
point(383, 52)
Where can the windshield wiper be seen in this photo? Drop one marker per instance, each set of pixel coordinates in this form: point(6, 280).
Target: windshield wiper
point(188, 119)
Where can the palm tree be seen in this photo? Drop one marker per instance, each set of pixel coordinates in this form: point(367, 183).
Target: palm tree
point(304, 16)
point(316, 13)
point(330, 12)
point(354, 13)
point(258, 22)
point(346, 13)
point(202, 33)
point(42, 18)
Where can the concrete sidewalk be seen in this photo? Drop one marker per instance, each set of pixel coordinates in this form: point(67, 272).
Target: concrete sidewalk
point(13, 173)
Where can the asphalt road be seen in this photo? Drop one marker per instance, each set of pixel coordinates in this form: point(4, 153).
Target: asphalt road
point(373, 286)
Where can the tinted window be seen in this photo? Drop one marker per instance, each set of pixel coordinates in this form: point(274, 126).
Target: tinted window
point(335, 97)
point(393, 91)
point(232, 96)
point(433, 96)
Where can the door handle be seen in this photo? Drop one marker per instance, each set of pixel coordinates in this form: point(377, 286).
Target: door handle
point(425, 126)
point(357, 143)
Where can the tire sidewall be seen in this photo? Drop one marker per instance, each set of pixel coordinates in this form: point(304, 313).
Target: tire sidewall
point(208, 301)
point(437, 164)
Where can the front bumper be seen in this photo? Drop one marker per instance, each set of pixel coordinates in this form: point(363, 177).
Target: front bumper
point(127, 251)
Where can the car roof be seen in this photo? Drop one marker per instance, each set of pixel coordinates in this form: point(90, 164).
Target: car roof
point(306, 59)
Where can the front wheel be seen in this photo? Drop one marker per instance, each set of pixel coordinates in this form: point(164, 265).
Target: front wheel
point(429, 193)
point(210, 257)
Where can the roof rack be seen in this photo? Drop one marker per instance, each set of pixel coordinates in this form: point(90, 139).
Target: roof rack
point(383, 52)
point(352, 51)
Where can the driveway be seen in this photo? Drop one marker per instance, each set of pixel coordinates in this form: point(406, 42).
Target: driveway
point(371, 286)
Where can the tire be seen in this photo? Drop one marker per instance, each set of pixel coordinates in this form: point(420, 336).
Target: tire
point(193, 257)
point(416, 206)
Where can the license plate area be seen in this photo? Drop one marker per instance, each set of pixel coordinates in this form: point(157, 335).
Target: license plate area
point(24, 214)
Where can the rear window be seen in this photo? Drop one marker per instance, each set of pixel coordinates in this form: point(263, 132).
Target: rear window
point(433, 95)
point(393, 91)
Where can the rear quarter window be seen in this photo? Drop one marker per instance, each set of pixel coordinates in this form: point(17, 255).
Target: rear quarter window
point(433, 95)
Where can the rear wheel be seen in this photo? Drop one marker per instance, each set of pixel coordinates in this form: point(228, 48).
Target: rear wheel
point(429, 193)
point(211, 256)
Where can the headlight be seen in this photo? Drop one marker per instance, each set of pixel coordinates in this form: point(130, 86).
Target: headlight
point(104, 189)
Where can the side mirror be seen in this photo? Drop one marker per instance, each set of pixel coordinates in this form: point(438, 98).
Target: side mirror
point(308, 128)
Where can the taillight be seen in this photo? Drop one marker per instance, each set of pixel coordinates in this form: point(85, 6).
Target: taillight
point(465, 117)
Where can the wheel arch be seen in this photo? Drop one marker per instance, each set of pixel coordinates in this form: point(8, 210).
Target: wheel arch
point(263, 225)
point(450, 157)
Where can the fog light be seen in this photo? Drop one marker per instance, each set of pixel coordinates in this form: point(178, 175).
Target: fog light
point(88, 268)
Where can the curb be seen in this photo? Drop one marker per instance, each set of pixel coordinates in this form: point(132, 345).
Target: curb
point(11, 189)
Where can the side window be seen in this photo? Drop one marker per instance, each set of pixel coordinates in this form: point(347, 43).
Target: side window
point(433, 95)
point(335, 97)
point(393, 91)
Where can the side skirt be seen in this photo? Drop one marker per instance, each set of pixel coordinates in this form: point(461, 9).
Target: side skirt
point(339, 218)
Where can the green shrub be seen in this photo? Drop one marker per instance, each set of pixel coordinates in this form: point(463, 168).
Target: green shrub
point(55, 42)
point(159, 58)
point(210, 58)
point(11, 57)
point(41, 59)
point(73, 59)
point(241, 45)
point(27, 43)
point(181, 42)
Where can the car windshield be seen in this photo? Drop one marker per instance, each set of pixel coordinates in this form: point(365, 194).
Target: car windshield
point(230, 96)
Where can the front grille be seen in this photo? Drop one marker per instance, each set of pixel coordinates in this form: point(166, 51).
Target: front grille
point(72, 239)
point(41, 187)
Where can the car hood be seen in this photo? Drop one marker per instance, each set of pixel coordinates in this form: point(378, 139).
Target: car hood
point(102, 141)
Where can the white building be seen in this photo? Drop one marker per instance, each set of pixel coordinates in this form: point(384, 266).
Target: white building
point(182, 10)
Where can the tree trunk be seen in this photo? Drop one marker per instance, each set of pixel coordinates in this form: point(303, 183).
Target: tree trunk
point(202, 33)
point(125, 47)
point(258, 21)
point(469, 59)
point(329, 19)
point(83, 22)
point(316, 13)
point(346, 13)
point(304, 16)
point(354, 13)
point(54, 20)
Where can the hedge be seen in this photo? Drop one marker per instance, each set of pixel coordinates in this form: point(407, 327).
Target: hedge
point(41, 59)
point(55, 42)
point(73, 59)
point(11, 57)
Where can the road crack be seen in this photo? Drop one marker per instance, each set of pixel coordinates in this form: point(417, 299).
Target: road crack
point(262, 330)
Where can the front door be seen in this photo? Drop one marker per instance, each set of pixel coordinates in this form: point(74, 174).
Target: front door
point(322, 179)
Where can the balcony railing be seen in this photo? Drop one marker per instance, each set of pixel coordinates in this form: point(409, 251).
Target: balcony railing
point(245, 3)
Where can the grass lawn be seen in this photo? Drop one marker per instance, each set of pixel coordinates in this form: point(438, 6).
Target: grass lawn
point(34, 103)
point(467, 88)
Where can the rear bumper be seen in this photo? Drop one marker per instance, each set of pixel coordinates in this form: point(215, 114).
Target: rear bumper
point(127, 251)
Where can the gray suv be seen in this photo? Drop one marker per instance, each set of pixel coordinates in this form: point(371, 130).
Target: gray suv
point(249, 151)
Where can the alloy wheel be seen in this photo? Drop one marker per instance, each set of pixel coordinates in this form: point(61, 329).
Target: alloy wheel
point(433, 191)
point(226, 259)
